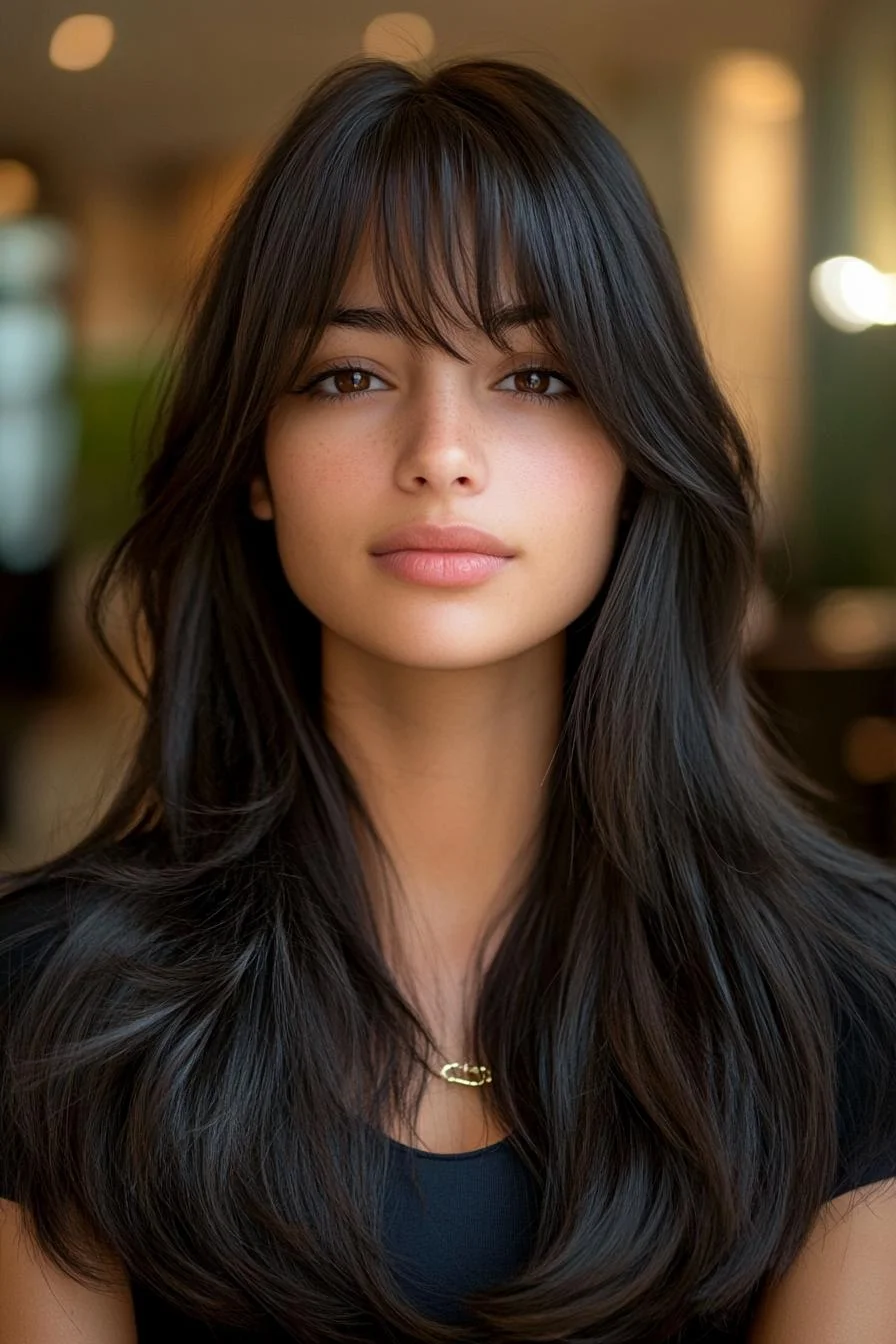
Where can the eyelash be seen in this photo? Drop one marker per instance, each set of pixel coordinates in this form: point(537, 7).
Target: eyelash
point(310, 389)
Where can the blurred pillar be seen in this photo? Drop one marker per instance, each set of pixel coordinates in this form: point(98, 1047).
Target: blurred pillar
point(744, 258)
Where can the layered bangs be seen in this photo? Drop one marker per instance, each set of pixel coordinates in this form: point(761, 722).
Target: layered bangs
point(458, 236)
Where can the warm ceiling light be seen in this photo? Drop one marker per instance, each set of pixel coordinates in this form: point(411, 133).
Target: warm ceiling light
point(18, 189)
point(399, 37)
point(82, 41)
point(753, 85)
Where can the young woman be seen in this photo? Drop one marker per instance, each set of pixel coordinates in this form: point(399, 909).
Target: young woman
point(457, 960)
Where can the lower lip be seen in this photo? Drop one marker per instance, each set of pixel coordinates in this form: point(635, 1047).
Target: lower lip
point(441, 569)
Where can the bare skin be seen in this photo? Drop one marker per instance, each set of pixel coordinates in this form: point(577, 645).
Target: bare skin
point(446, 703)
point(40, 1304)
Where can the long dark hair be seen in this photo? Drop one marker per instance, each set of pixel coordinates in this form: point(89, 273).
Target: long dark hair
point(197, 1069)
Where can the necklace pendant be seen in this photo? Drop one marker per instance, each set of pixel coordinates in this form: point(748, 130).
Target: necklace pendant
point(482, 1071)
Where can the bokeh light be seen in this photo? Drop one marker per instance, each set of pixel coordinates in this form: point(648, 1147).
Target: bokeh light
point(853, 295)
point(18, 188)
point(855, 623)
point(404, 37)
point(869, 749)
point(754, 85)
point(82, 41)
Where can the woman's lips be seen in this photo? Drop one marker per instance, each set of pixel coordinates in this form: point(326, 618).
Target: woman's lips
point(441, 569)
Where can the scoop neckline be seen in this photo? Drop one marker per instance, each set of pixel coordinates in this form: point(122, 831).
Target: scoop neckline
point(449, 1157)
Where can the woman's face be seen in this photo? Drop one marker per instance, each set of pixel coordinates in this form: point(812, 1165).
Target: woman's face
point(435, 440)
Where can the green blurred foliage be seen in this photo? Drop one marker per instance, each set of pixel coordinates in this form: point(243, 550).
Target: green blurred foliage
point(115, 408)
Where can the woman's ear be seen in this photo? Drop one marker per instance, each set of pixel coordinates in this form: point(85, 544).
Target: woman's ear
point(260, 499)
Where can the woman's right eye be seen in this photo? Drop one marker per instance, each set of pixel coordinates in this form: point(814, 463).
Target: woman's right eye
point(349, 381)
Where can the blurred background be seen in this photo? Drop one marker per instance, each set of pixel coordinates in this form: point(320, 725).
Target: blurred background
point(767, 135)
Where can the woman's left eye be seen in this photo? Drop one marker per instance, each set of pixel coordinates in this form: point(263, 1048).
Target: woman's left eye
point(536, 382)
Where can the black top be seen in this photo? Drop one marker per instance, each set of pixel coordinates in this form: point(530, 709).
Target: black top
point(454, 1222)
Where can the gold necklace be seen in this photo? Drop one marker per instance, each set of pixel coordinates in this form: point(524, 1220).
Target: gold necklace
point(483, 1073)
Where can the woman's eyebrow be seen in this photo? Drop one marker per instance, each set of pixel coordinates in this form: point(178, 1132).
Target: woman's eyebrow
point(379, 320)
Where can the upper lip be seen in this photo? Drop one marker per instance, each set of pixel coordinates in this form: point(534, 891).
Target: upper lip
point(435, 537)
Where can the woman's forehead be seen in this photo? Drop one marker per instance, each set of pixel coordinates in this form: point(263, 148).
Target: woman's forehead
point(363, 306)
